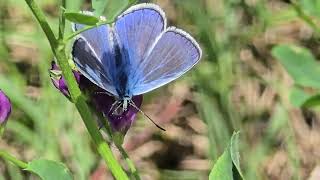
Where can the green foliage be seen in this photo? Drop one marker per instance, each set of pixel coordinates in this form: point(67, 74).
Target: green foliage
point(110, 8)
point(312, 101)
point(227, 166)
point(304, 69)
point(298, 97)
point(81, 18)
point(99, 6)
point(311, 7)
point(300, 64)
point(49, 170)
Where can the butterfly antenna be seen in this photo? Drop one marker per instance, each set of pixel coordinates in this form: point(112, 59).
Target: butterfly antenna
point(134, 105)
point(100, 92)
point(103, 92)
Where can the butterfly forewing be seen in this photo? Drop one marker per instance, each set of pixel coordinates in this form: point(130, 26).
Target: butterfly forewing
point(136, 31)
point(92, 52)
point(98, 38)
point(173, 54)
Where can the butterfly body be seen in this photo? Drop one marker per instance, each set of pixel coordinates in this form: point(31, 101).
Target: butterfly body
point(136, 54)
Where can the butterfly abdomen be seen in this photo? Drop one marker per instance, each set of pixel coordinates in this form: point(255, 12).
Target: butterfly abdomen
point(121, 71)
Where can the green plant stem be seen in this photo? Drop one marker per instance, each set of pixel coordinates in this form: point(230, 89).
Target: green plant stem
point(62, 19)
point(43, 23)
point(132, 168)
point(124, 154)
point(17, 162)
point(58, 48)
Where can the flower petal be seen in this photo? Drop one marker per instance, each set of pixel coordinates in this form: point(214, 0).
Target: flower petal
point(5, 108)
point(59, 81)
point(121, 122)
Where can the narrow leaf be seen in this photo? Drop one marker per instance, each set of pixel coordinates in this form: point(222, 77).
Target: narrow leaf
point(229, 162)
point(223, 167)
point(234, 151)
point(81, 18)
point(49, 170)
point(312, 101)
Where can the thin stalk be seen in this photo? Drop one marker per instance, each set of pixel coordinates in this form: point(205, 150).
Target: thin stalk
point(132, 168)
point(43, 23)
point(62, 19)
point(124, 154)
point(17, 162)
point(58, 48)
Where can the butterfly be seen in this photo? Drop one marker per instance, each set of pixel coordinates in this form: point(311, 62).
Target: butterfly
point(136, 54)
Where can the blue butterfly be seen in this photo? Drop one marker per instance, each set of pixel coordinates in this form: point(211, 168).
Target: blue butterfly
point(136, 54)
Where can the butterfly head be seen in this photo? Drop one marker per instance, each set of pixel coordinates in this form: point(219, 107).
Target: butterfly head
point(121, 105)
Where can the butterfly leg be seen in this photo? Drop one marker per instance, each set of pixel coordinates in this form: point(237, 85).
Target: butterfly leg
point(112, 106)
point(115, 111)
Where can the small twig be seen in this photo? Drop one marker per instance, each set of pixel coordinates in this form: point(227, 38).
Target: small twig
point(17, 162)
point(132, 168)
point(62, 19)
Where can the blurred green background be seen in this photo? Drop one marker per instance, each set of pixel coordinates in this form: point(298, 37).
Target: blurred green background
point(238, 85)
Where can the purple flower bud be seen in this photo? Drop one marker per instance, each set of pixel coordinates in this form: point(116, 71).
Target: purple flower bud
point(102, 101)
point(118, 122)
point(58, 80)
point(5, 108)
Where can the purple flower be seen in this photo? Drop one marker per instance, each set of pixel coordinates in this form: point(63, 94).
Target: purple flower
point(5, 108)
point(98, 98)
point(58, 80)
point(119, 122)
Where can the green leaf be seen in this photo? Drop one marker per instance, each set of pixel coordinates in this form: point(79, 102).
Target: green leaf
point(74, 5)
point(228, 162)
point(81, 18)
point(312, 101)
point(223, 167)
point(99, 6)
point(234, 151)
point(298, 97)
point(114, 8)
point(299, 63)
point(49, 170)
point(111, 9)
point(311, 7)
